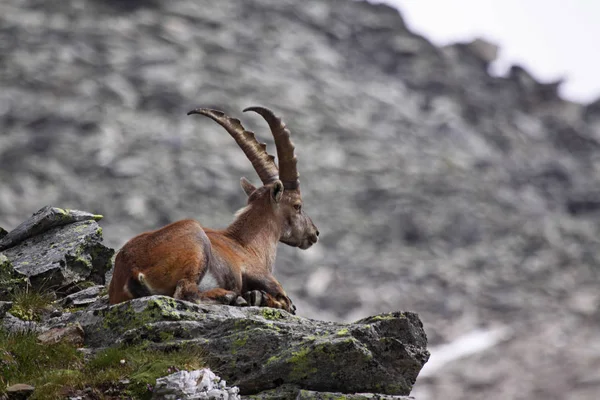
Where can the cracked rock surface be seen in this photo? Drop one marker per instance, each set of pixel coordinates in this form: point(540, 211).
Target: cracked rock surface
point(55, 250)
point(261, 348)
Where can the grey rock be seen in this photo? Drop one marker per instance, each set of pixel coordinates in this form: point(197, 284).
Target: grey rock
point(42, 221)
point(486, 51)
point(84, 297)
point(259, 348)
point(285, 392)
point(99, 304)
point(12, 324)
point(4, 307)
point(198, 384)
point(61, 256)
point(19, 391)
point(72, 334)
point(3, 232)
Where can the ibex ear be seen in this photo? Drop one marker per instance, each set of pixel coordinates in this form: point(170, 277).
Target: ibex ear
point(247, 186)
point(277, 191)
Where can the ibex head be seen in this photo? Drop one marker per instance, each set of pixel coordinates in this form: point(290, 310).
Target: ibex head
point(279, 199)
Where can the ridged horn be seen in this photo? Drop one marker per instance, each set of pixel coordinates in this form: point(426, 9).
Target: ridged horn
point(288, 171)
point(263, 163)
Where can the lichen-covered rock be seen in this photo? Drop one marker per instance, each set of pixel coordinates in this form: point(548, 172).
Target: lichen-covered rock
point(201, 384)
point(12, 324)
point(261, 348)
point(42, 221)
point(61, 248)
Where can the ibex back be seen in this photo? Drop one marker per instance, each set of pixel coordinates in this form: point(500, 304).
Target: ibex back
point(234, 265)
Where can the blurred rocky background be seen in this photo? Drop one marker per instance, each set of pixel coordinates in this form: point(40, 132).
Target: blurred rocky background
point(470, 199)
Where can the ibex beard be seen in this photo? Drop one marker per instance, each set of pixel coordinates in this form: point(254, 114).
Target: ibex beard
point(233, 266)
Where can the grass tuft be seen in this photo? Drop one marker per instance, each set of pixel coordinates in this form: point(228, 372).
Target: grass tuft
point(29, 305)
point(60, 370)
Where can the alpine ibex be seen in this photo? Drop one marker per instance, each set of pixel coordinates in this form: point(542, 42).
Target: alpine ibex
point(232, 266)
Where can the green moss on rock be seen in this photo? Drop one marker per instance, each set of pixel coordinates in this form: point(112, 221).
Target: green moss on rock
point(123, 316)
point(272, 314)
point(310, 354)
point(383, 317)
point(302, 364)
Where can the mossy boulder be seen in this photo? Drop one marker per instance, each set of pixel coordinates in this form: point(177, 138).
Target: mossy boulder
point(55, 248)
point(261, 348)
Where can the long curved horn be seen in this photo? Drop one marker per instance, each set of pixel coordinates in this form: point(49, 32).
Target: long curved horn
point(263, 163)
point(288, 172)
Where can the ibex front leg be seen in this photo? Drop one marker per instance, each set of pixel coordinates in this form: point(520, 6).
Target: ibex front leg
point(266, 291)
point(188, 290)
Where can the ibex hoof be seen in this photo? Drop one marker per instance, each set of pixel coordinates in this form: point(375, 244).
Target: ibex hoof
point(233, 299)
point(240, 302)
point(286, 304)
point(256, 298)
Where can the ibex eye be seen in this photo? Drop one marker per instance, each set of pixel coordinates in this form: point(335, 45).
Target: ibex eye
point(298, 207)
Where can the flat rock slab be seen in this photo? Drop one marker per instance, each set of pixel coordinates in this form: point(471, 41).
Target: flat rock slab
point(84, 297)
point(258, 349)
point(19, 391)
point(60, 256)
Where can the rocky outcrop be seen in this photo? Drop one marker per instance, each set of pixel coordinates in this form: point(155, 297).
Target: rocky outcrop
point(258, 350)
point(261, 348)
point(55, 249)
point(42, 221)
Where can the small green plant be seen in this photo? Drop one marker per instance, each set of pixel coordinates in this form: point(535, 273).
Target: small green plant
point(59, 370)
point(29, 305)
point(9, 280)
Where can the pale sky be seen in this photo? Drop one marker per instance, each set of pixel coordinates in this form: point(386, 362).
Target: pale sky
point(550, 38)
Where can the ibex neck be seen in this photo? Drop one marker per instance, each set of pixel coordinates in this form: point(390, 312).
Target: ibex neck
point(257, 231)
